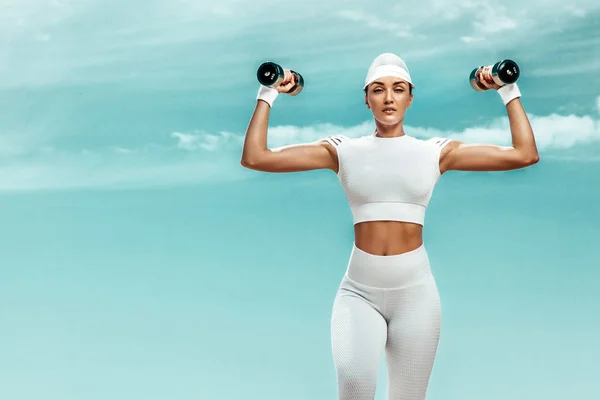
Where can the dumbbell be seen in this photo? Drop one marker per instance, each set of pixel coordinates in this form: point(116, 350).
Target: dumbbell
point(502, 73)
point(272, 74)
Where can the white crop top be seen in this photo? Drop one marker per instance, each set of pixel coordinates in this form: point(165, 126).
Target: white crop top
point(388, 179)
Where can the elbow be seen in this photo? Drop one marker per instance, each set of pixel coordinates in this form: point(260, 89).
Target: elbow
point(248, 163)
point(535, 159)
point(251, 162)
point(530, 160)
point(248, 160)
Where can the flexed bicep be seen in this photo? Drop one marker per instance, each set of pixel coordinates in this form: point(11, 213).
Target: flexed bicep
point(294, 158)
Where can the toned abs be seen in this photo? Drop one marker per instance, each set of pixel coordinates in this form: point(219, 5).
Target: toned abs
point(386, 238)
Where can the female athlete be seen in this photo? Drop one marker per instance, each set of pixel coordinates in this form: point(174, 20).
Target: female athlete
point(387, 299)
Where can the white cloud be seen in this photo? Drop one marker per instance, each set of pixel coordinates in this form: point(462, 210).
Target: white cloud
point(562, 132)
point(489, 24)
point(120, 44)
point(471, 39)
point(284, 135)
point(493, 18)
point(576, 11)
point(499, 23)
point(113, 168)
point(23, 16)
point(374, 22)
point(208, 10)
point(186, 141)
point(202, 157)
point(581, 67)
point(42, 45)
point(25, 143)
point(123, 150)
point(205, 141)
point(553, 132)
point(71, 174)
point(277, 136)
point(579, 159)
point(43, 38)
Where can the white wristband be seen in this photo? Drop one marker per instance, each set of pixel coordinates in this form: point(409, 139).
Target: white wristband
point(509, 92)
point(267, 94)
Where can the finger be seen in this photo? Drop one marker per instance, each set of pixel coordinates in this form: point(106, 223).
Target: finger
point(284, 87)
point(490, 79)
point(481, 79)
point(488, 74)
point(288, 82)
point(485, 74)
point(287, 76)
point(288, 86)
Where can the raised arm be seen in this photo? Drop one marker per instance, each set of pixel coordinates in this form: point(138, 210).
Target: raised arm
point(487, 157)
point(293, 158)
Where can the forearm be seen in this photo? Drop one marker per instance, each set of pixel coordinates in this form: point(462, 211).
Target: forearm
point(523, 139)
point(255, 142)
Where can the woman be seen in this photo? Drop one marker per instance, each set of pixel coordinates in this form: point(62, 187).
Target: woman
point(388, 299)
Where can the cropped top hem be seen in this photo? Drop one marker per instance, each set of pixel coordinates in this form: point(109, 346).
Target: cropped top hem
point(389, 211)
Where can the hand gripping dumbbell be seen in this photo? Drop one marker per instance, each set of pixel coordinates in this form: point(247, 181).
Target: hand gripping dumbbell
point(272, 74)
point(502, 73)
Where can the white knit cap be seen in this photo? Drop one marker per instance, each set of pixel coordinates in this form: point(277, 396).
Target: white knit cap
point(387, 64)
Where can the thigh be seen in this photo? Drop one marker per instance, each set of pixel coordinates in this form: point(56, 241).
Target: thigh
point(413, 336)
point(358, 337)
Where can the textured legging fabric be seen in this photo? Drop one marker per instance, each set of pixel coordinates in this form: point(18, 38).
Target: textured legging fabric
point(391, 304)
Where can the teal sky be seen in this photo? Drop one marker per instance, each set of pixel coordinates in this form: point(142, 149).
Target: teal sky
point(139, 260)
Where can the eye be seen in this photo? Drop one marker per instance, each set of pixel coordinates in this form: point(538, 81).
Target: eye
point(399, 90)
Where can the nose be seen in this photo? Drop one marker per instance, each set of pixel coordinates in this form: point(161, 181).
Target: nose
point(389, 96)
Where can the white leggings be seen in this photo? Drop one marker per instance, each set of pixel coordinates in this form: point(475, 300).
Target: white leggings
point(386, 303)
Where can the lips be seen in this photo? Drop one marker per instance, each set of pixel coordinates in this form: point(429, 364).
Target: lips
point(389, 109)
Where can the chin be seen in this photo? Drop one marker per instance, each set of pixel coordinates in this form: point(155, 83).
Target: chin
point(389, 119)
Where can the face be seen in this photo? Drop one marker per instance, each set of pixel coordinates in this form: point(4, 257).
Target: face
point(388, 98)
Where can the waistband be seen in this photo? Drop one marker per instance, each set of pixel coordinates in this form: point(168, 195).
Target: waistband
point(395, 271)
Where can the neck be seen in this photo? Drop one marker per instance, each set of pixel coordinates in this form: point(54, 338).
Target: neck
point(389, 130)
